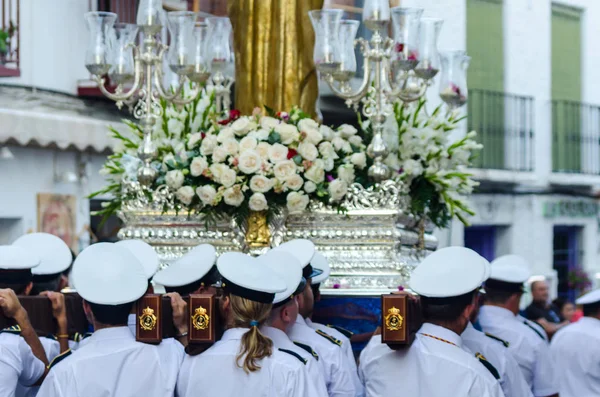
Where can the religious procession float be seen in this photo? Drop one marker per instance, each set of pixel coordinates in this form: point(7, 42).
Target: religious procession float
point(193, 169)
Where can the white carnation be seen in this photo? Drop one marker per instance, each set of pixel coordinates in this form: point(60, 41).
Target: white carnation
point(359, 160)
point(258, 202)
point(278, 153)
point(337, 189)
point(198, 165)
point(263, 150)
point(194, 139)
point(347, 130)
point(174, 179)
point(233, 196)
point(346, 173)
point(225, 134)
point(207, 194)
point(248, 143)
point(309, 187)
point(249, 162)
point(185, 194)
point(284, 169)
point(308, 151)
point(220, 154)
point(316, 172)
point(297, 202)
point(260, 184)
point(209, 143)
point(241, 126)
point(294, 182)
point(268, 123)
point(288, 133)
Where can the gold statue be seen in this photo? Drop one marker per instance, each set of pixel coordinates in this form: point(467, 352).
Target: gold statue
point(258, 234)
point(273, 45)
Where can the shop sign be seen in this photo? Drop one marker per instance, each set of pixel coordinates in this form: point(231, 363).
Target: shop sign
point(570, 209)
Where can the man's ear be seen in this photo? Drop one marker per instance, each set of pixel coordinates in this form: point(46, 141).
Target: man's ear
point(468, 311)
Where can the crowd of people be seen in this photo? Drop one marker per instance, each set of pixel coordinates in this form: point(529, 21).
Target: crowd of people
point(473, 341)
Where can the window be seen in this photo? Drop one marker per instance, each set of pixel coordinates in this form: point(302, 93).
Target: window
point(567, 257)
point(482, 239)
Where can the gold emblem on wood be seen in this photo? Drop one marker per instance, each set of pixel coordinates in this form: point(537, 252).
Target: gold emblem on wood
point(393, 320)
point(148, 319)
point(200, 319)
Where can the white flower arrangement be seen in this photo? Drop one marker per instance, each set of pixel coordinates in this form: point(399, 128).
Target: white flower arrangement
point(434, 169)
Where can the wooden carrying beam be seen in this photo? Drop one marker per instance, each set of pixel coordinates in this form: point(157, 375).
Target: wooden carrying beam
point(400, 319)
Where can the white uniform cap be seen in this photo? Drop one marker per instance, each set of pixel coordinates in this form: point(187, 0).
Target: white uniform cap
point(144, 253)
point(510, 269)
point(248, 278)
point(188, 269)
point(303, 250)
point(589, 298)
point(288, 268)
point(319, 262)
point(449, 272)
point(54, 253)
point(109, 274)
point(17, 258)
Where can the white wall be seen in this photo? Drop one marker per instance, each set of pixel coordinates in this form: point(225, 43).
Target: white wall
point(53, 42)
point(31, 172)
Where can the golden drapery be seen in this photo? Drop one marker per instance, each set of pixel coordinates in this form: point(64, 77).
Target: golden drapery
point(273, 45)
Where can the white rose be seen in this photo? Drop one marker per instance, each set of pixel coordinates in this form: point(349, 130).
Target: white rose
point(241, 126)
point(337, 189)
point(219, 155)
point(297, 202)
point(209, 143)
point(217, 170)
point(231, 146)
point(207, 194)
point(225, 134)
point(309, 187)
point(258, 202)
point(284, 169)
point(249, 162)
point(263, 150)
point(347, 130)
point(311, 129)
point(175, 127)
point(338, 143)
point(294, 182)
point(326, 149)
point(356, 140)
point(185, 194)
point(308, 151)
point(316, 172)
point(174, 179)
point(260, 134)
point(346, 173)
point(198, 165)
point(233, 196)
point(278, 153)
point(268, 123)
point(307, 124)
point(260, 184)
point(228, 177)
point(314, 137)
point(327, 132)
point(328, 164)
point(359, 160)
point(288, 133)
point(248, 143)
point(193, 140)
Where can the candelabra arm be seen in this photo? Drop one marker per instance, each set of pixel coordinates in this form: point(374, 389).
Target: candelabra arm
point(136, 82)
point(364, 86)
point(158, 77)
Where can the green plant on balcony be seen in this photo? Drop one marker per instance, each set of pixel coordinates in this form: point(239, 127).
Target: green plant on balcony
point(5, 37)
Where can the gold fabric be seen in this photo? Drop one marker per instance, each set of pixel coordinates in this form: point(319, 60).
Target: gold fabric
point(273, 44)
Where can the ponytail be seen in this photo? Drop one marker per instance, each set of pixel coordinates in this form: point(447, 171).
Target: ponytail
point(255, 346)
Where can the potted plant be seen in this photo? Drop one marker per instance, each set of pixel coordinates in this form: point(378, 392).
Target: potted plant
point(5, 37)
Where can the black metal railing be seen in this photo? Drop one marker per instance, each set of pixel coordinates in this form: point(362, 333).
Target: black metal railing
point(575, 137)
point(505, 126)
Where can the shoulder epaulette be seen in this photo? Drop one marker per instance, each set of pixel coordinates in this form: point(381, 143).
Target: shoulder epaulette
point(15, 329)
point(59, 358)
point(329, 337)
point(488, 365)
point(348, 334)
point(299, 357)
point(308, 349)
point(505, 343)
point(78, 337)
point(534, 330)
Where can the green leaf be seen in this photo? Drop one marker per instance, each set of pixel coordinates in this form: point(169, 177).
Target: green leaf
point(297, 159)
point(274, 138)
point(270, 112)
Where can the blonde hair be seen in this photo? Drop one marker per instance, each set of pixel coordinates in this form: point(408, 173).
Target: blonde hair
point(255, 346)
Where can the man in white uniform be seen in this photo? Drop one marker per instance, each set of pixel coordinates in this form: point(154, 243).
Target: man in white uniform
point(436, 364)
point(576, 351)
point(337, 371)
point(110, 279)
point(498, 316)
point(284, 313)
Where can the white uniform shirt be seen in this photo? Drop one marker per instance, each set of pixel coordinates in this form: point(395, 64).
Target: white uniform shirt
point(316, 382)
point(347, 347)
point(526, 346)
point(171, 343)
point(511, 379)
point(112, 363)
point(52, 349)
point(430, 367)
point(576, 352)
point(534, 325)
point(18, 365)
point(215, 372)
point(331, 356)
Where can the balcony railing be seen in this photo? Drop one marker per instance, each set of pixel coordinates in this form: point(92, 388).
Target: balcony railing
point(9, 38)
point(125, 9)
point(575, 137)
point(505, 126)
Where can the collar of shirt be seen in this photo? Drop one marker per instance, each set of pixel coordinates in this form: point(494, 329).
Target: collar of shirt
point(441, 332)
point(300, 320)
point(469, 330)
point(496, 311)
point(590, 322)
point(112, 333)
point(278, 336)
point(234, 334)
point(308, 321)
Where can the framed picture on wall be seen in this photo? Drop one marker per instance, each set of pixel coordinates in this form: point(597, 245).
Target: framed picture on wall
point(56, 214)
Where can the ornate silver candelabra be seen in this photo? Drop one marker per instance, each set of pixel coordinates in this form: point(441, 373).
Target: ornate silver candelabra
point(113, 52)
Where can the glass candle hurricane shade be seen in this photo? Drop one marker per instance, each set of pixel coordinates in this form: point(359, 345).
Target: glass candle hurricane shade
point(150, 16)
point(122, 69)
point(326, 54)
point(405, 24)
point(97, 56)
point(453, 83)
point(429, 59)
point(219, 37)
point(181, 50)
point(347, 35)
point(201, 71)
point(376, 14)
